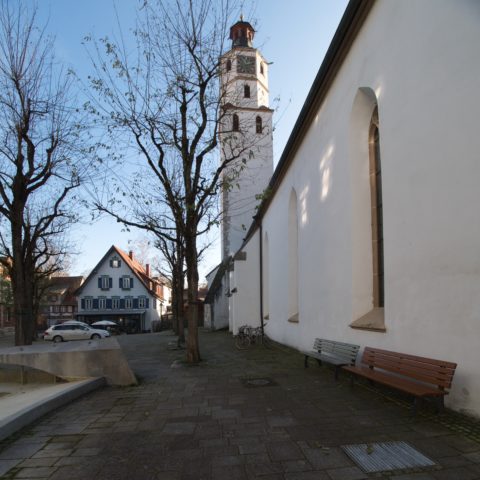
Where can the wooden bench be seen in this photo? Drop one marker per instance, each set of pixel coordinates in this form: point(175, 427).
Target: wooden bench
point(417, 376)
point(332, 352)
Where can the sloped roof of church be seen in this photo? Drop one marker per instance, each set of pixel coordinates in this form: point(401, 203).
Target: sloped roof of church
point(350, 24)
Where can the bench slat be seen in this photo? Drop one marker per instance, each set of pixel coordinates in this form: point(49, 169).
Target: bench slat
point(420, 368)
point(416, 389)
point(333, 352)
point(417, 376)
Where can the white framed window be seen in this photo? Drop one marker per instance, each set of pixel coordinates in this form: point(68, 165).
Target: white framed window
point(88, 303)
point(105, 282)
point(126, 282)
point(128, 302)
point(115, 303)
point(142, 302)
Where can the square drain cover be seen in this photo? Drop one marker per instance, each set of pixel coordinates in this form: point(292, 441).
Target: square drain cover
point(386, 456)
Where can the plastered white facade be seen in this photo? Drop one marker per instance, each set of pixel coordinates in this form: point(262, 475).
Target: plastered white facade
point(91, 290)
point(418, 61)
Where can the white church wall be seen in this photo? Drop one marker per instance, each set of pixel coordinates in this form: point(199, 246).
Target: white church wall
point(420, 61)
point(245, 287)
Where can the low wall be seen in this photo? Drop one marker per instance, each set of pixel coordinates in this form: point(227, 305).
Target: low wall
point(74, 360)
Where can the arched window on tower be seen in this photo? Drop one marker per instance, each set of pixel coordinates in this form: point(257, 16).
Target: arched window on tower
point(235, 123)
point(261, 68)
point(258, 125)
point(246, 91)
point(375, 168)
point(229, 65)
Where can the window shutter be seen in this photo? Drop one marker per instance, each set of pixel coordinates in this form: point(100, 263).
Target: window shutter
point(120, 282)
point(110, 282)
point(99, 282)
point(146, 302)
point(95, 303)
point(122, 303)
point(109, 303)
point(83, 303)
point(111, 263)
point(131, 282)
point(135, 303)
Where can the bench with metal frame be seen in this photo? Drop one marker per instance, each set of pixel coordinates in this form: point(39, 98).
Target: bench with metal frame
point(420, 377)
point(335, 353)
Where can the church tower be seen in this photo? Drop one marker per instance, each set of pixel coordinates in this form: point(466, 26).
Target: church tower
point(245, 135)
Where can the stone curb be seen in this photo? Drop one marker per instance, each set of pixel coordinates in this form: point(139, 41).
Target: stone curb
point(27, 415)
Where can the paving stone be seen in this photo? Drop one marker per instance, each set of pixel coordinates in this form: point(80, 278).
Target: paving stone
point(183, 428)
point(327, 458)
point(307, 476)
point(414, 476)
point(346, 473)
point(35, 472)
point(20, 451)
point(296, 466)
point(6, 465)
point(39, 462)
point(283, 451)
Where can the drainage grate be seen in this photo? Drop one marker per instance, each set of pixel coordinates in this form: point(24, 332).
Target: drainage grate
point(386, 456)
point(258, 382)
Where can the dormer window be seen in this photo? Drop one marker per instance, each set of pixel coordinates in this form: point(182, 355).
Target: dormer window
point(246, 91)
point(115, 262)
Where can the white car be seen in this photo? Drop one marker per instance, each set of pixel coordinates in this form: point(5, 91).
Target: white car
point(73, 331)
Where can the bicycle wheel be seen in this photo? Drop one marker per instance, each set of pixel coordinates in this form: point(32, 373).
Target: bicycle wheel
point(242, 342)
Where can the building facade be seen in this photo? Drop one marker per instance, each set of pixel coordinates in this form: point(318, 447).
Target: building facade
point(59, 302)
point(120, 289)
point(246, 147)
point(371, 232)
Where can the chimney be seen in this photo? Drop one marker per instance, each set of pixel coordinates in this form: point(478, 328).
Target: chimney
point(130, 254)
point(147, 269)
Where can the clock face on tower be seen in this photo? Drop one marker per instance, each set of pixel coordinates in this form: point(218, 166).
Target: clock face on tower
point(246, 64)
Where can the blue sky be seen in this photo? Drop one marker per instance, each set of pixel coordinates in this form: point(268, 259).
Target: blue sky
point(293, 35)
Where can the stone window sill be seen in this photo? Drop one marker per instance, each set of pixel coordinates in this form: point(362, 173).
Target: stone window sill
point(373, 321)
point(294, 318)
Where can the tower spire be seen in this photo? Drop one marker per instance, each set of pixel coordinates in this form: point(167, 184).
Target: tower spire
point(242, 33)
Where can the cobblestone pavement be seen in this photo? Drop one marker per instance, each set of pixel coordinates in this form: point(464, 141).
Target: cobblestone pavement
point(206, 422)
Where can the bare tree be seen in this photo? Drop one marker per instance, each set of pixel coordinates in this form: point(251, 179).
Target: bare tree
point(40, 154)
point(167, 101)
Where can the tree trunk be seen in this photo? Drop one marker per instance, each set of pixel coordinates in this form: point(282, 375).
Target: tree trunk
point(179, 294)
point(193, 350)
point(21, 277)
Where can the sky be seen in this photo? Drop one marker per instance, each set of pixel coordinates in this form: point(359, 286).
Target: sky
point(294, 36)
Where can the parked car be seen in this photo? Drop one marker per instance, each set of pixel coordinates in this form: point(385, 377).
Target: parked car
point(73, 331)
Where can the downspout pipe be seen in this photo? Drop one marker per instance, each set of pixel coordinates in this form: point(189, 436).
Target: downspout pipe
point(261, 277)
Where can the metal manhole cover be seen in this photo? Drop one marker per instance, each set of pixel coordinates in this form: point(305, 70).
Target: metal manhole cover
point(258, 382)
point(386, 456)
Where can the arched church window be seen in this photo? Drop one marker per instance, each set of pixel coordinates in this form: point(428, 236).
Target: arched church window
point(246, 91)
point(258, 124)
point(229, 65)
point(235, 123)
point(261, 68)
point(375, 168)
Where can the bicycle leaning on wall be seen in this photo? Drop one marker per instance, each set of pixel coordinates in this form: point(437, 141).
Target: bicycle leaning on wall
point(248, 335)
